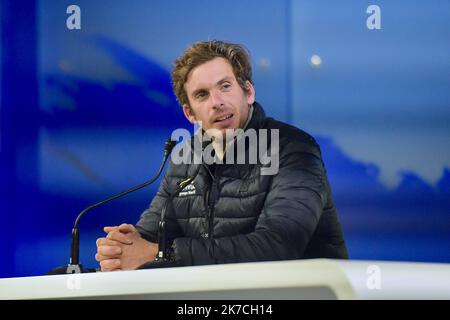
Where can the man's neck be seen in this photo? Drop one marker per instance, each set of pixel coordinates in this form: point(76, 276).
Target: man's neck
point(220, 148)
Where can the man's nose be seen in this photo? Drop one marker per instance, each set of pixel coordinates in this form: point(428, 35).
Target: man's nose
point(217, 100)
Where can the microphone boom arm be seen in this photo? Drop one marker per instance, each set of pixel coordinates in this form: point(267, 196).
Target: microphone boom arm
point(74, 266)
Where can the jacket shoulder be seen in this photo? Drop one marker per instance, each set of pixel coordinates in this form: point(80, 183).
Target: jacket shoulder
point(293, 138)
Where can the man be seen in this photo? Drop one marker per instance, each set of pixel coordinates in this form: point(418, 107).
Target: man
point(233, 212)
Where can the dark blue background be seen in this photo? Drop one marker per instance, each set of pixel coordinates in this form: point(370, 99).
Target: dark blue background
point(84, 113)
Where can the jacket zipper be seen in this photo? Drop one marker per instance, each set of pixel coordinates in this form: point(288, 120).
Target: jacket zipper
point(212, 199)
point(212, 204)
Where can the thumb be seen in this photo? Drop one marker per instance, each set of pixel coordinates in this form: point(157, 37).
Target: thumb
point(127, 228)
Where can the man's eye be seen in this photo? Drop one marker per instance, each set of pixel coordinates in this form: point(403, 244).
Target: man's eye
point(226, 86)
point(200, 95)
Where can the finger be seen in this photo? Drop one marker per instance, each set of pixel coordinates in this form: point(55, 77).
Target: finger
point(119, 236)
point(110, 264)
point(127, 228)
point(109, 250)
point(107, 242)
point(110, 229)
point(100, 258)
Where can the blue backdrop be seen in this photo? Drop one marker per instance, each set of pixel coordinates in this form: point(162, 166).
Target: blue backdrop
point(84, 113)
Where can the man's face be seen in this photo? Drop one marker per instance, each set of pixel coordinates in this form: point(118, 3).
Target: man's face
point(216, 98)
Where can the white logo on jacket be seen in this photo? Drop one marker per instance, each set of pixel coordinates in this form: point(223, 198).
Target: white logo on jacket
point(188, 190)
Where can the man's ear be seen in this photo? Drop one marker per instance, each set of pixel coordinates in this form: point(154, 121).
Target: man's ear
point(250, 92)
point(189, 113)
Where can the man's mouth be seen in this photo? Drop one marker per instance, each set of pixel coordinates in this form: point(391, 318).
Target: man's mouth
point(223, 118)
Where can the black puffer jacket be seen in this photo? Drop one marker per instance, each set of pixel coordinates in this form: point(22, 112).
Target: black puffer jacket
point(234, 214)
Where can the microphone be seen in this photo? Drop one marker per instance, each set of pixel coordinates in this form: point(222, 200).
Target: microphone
point(74, 265)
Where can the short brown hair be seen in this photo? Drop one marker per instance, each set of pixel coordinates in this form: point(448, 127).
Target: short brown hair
point(201, 52)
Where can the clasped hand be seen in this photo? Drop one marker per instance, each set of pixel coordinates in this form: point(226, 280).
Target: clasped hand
point(124, 249)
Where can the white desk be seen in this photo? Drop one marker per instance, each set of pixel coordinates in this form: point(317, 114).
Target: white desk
point(299, 279)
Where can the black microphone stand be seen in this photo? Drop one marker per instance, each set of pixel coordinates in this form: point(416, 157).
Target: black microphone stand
point(74, 265)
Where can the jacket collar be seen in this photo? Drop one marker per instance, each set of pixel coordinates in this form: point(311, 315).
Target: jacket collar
point(257, 118)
